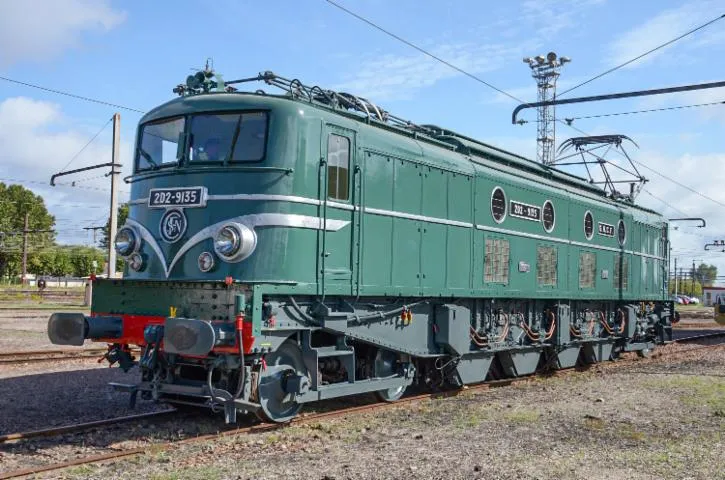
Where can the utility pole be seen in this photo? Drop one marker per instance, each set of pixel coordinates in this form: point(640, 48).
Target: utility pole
point(115, 172)
point(675, 276)
point(95, 229)
point(25, 247)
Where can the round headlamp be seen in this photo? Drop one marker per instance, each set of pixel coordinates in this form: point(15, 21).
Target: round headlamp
point(127, 241)
point(205, 261)
point(234, 242)
point(135, 261)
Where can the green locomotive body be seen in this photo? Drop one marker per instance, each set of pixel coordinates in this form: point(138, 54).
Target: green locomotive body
point(285, 249)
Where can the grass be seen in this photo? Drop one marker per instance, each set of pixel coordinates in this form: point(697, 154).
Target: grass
point(41, 306)
point(691, 307)
point(696, 391)
point(203, 472)
point(522, 416)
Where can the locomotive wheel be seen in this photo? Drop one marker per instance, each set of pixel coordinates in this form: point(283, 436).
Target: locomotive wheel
point(278, 405)
point(386, 363)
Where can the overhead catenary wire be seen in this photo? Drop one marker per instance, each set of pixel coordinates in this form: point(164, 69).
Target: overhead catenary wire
point(474, 77)
point(72, 95)
point(87, 144)
point(423, 51)
point(69, 185)
point(634, 112)
point(659, 47)
point(664, 202)
point(676, 182)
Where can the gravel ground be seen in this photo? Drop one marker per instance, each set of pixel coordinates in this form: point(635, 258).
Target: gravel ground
point(662, 417)
point(26, 329)
point(42, 395)
point(656, 418)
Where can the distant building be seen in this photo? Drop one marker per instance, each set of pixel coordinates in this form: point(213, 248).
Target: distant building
point(709, 294)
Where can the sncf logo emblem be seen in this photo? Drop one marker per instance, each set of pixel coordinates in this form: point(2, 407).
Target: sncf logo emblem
point(173, 225)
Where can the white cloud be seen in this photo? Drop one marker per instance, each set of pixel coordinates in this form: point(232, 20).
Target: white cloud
point(549, 17)
point(664, 27)
point(400, 76)
point(704, 175)
point(41, 29)
point(38, 140)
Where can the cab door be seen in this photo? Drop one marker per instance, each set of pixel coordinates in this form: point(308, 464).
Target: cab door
point(339, 199)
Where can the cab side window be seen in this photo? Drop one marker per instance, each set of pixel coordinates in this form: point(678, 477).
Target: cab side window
point(338, 167)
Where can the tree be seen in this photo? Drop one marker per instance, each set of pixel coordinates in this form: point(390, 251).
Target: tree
point(15, 202)
point(74, 260)
point(706, 274)
point(86, 260)
point(122, 216)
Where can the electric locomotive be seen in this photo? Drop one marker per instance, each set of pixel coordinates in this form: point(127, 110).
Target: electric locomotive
point(283, 249)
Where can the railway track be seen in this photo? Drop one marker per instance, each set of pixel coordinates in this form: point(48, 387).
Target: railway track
point(703, 336)
point(81, 427)
point(265, 427)
point(49, 355)
point(34, 356)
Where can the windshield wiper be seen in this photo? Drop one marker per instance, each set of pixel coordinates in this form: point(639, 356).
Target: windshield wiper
point(237, 129)
point(148, 158)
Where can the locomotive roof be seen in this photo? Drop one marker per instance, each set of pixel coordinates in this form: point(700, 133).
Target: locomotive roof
point(475, 150)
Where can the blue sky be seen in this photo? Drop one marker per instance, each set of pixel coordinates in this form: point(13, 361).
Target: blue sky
point(134, 52)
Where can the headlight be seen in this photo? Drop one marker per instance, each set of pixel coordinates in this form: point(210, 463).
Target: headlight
point(227, 241)
point(205, 261)
point(135, 261)
point(234, 242)
point(126, 241)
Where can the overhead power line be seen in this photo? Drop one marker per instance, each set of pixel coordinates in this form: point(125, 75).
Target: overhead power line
point(643, 54)
point(458, 69)
point(421, 50)
point(72, 95)
point(86, 145)
point(68, 185)
point(664, 202)
point(678, 107)
point(676, 182)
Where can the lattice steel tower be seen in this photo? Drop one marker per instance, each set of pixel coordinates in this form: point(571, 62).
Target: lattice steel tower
point(545, 71)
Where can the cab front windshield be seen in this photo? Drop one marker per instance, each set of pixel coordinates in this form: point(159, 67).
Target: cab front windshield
point(236, 137)
point(212, 138)
point(159, 145)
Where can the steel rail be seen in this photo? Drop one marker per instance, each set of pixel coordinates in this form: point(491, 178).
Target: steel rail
point(695, 338)
point(314, 417)
point(78, 427)
point(31, 356)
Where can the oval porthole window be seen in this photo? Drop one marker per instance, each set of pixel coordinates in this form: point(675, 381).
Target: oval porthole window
point(549, 217)
point(588, 225)
point(621, 233)
point(498, 204)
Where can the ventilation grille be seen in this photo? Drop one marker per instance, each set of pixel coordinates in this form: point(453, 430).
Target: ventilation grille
point(496, 265)
point(587, 269)
point(621, 271)
point(546, 266)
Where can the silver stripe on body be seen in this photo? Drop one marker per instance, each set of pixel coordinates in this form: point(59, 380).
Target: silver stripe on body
point(412, 216)
point(397, 214)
